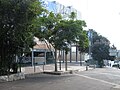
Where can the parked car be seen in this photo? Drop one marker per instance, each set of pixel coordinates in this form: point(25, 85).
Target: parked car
point(116, 64)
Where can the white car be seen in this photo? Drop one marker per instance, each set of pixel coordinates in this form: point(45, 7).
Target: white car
point(116, 63)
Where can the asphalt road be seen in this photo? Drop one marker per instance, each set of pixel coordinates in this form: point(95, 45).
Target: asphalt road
point(97, 79)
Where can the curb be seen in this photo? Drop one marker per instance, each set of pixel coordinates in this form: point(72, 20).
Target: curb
point(60, 72)
point(12, 77)
point(28, 74)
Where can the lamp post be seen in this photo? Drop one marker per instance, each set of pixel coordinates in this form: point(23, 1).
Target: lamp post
point(90, 36)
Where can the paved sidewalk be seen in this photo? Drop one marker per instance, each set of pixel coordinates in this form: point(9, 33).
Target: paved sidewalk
point(51, 68)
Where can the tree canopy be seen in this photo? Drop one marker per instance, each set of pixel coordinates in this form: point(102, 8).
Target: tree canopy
point(16, 28)
point(61, 32)
point(100, 48)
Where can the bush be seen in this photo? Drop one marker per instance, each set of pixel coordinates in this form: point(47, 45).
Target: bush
point(3, 72)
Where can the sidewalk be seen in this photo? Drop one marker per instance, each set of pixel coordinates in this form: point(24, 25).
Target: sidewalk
point(51, 68)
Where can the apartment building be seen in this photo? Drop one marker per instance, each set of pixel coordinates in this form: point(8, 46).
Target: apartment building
point(65, 11)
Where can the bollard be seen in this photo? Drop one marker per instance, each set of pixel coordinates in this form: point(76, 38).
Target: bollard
point(86, 67)
point(43, 66)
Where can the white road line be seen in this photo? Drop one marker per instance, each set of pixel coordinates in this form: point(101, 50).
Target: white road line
point(103, 81)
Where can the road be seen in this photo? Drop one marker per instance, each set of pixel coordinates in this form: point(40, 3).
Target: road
point(97, 79)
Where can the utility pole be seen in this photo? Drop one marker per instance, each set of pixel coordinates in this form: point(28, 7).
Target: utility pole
point(90, 36)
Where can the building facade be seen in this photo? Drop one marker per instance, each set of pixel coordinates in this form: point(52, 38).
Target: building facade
point(65, 11)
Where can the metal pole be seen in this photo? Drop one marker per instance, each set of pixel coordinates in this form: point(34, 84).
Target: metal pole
point(34, 64)
point(32, 57)
point(70, 54)
point(86, 65)
point(43, 66)
point(76, 54)
point(90, 42)
point(45, 62)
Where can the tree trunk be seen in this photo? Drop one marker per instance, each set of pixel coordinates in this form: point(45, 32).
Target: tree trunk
point(63, 56)
point(76, 54)
point(70, 55)
point(80, 58)
point(65, 60)
point(60, 59)
point(55, 60)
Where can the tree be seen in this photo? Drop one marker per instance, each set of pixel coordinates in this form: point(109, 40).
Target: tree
point(47, 29)
point(72, 16)
point(60, 33)
point(16, 29)
point(83, 44)
point(100, 48)
point(67, 32)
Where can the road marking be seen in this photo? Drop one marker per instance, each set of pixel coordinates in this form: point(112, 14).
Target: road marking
point(103, 81)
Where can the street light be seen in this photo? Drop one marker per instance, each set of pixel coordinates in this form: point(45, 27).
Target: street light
point(90, 37)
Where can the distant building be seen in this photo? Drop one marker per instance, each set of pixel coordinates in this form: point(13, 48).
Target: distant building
point(118, 55)
point(42, 52)
point(113, 51)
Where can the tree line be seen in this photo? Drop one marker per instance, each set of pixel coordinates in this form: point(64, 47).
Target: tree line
point(22, 20)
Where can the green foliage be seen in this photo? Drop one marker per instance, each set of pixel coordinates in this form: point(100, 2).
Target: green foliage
point(100, 48)
point(72, 15)
point(67, 32)
point(46, 24)
point(83, 42)
point(60, 33)
point(16, 27)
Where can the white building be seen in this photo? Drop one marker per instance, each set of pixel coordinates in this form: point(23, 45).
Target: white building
point(118, 54)
point(65, 11)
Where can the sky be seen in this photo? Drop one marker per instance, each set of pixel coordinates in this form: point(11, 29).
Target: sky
point(103, 16)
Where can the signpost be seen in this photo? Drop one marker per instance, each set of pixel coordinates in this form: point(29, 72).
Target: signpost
point(38, 57)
